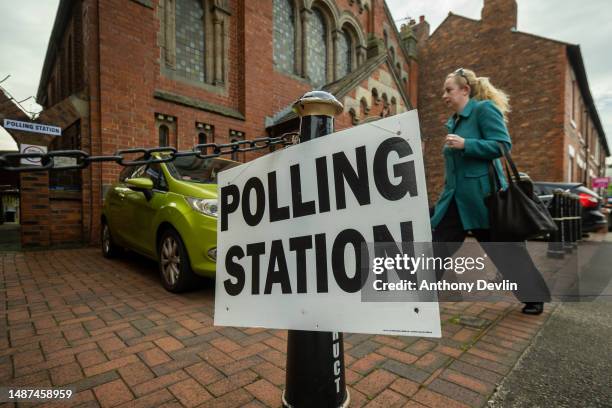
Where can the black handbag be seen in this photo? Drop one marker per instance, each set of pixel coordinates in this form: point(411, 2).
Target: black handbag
point(516, 213)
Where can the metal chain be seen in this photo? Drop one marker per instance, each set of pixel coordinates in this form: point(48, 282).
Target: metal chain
point(12, 161)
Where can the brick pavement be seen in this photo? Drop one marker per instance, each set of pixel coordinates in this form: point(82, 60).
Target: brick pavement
point(107, 328)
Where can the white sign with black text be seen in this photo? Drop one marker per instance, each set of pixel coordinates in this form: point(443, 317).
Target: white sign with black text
point(292, 224)
point(32, 127)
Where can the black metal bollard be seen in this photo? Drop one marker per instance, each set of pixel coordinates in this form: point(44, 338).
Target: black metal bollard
point(567, 223)
point(575, 220)
point(555, 239)
point(570, 218)
point(579, 218)
point(315, 360)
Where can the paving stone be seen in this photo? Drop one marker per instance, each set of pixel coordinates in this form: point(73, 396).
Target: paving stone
point(471, 383)
point(204, 373)
point(387, 399)
point(265, 392)
point(405, 370)
point(363, 349)
point(93, 381)
point(457, 393)
point(190, 393)
point(136, 373)
point(113, 393)
point(367, 363)
point(232, 382)
point(66, 374)
point(375, 382)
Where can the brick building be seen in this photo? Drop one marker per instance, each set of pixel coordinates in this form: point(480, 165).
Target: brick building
point(143, 73)
point(554, 125)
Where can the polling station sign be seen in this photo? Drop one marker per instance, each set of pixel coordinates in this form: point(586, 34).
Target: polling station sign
point(293, 226)
point(32, 127)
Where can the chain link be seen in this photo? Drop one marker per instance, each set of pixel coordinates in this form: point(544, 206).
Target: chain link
point(52, 161)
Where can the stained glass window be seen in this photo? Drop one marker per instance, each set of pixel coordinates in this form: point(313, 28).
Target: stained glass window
point(284, 36)
point(190, 39)
point(317, 49)
point(344, 53)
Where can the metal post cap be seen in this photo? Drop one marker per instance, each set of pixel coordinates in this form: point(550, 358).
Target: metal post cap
point(318, 103)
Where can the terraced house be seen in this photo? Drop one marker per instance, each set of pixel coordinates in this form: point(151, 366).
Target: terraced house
point(144, 73)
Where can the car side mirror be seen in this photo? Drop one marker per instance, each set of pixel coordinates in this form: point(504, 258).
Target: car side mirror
point(141, 184)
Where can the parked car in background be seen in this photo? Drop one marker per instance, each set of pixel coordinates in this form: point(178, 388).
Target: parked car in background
point(609, 208)
point(593, 218)
point(167, 212)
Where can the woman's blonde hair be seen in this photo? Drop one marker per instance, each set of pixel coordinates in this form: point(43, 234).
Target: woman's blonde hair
point(482, 89)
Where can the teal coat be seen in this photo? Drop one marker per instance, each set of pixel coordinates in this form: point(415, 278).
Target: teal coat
point(482, 125)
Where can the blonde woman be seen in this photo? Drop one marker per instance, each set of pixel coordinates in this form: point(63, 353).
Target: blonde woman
point(475, 130)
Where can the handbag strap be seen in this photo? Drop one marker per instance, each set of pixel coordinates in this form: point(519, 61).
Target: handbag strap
point(509, 161)
point(493, 178)
point(494, 181)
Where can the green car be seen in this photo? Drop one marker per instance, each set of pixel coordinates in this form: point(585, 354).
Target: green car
point(167, 212)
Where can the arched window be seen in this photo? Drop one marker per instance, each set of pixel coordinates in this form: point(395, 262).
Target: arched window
point(317, 50)
point(393, 107)
point(190, 40)
point(345, 53)
point(375, 97)
point(284, 35)
point(163, 136)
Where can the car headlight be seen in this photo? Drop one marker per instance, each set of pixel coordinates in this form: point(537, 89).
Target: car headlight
point(203, 205)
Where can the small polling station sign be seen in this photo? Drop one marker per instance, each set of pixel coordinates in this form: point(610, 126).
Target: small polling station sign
point(293, 226)
point(32, 127)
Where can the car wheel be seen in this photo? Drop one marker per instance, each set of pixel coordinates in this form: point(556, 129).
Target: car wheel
point(109, 248)
point(174, 266)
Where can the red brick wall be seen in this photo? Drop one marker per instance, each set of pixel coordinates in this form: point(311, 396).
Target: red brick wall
point(35, 209)
point(65, 219)
point(66, 75)
point(530, 69)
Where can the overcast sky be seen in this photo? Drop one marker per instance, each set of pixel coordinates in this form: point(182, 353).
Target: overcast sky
point(25, 27)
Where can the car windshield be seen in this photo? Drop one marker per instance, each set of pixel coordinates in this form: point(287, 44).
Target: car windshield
point(198, 170)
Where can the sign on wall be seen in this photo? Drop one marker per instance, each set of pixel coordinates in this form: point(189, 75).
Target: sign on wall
point(27, 148)
point(32, 127)
point(293, 227)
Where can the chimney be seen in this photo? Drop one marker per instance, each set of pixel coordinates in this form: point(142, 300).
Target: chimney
point(421, 31)
point(499, 14)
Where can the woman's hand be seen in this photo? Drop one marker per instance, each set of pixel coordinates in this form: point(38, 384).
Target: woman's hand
point(455, 142)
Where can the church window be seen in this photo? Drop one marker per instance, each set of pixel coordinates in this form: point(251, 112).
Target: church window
point(284, 36)
point(344, 53)
point(317, 51)
point(190, 39)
